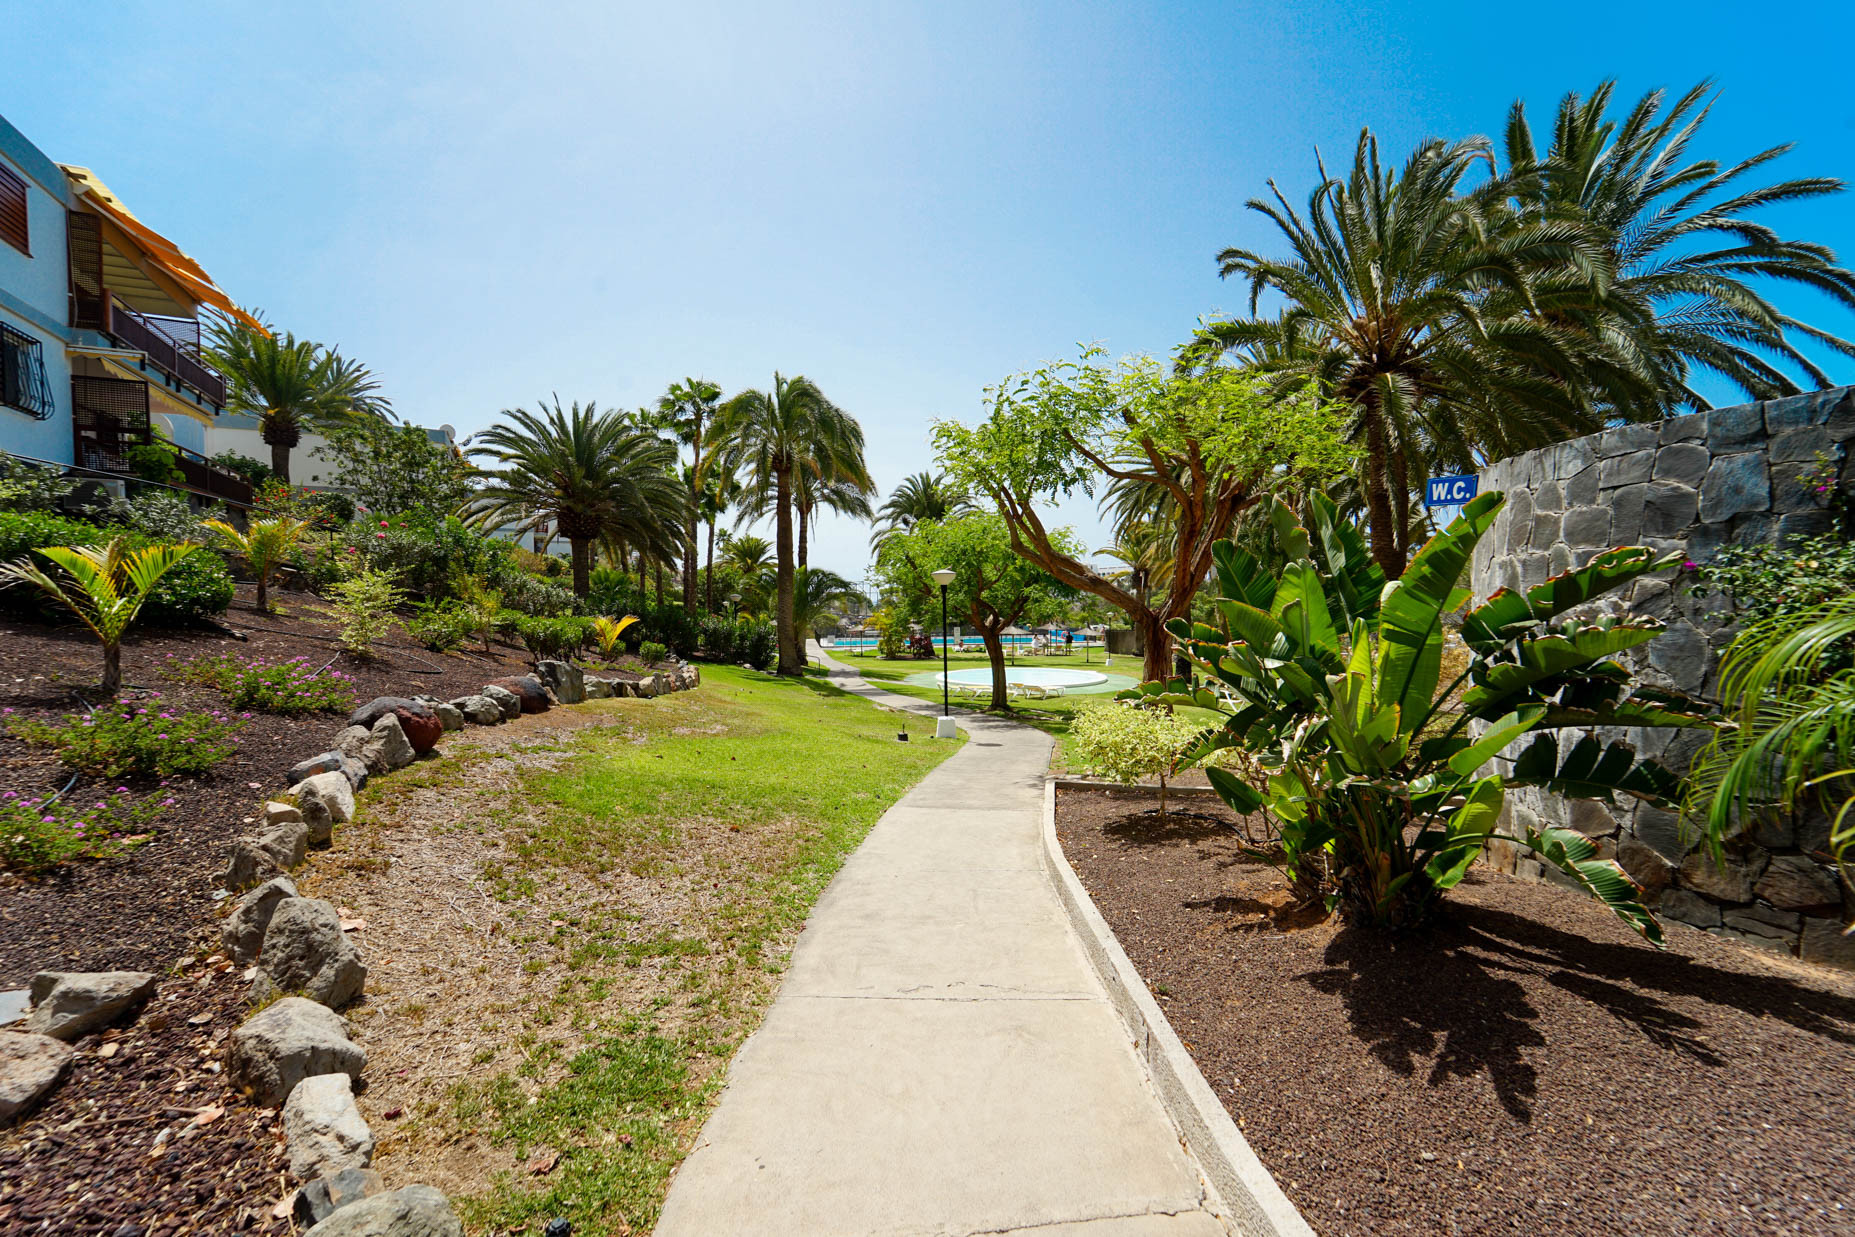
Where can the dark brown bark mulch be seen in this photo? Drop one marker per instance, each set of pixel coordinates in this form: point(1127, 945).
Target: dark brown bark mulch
point(1525, 1065)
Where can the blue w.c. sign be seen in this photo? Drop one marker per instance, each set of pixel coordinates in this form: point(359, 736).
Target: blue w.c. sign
point(1450, 491)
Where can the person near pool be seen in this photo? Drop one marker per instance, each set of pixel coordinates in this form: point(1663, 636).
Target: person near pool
point(1069, 641)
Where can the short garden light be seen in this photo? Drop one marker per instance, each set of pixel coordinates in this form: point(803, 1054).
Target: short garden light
point(943, 726)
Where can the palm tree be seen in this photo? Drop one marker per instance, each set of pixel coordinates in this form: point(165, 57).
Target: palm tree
point(1446, 322)
point(589, 473)
point(1680, 240)
point(720, 492)
point(811, 492)
point(688, 410)
point(924, 496)
point(815, 592)
point(291, 386)
point(772, 435)
point(104, 586)
point(747, 554)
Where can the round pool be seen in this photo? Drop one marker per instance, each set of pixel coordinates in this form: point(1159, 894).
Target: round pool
point(1034, 676)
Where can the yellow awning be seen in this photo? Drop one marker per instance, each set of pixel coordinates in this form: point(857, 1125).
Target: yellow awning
point(156, 248)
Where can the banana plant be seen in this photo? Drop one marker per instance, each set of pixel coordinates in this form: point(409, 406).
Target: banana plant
point(104, 586)
point(1380, 779)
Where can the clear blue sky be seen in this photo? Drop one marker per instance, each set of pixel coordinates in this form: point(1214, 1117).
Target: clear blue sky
point(491, 202)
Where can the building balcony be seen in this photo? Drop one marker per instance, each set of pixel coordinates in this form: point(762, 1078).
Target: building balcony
point(110, 415)
point(172, 346)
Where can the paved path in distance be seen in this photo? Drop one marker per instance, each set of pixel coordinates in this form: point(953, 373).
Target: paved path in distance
point(940, 1059)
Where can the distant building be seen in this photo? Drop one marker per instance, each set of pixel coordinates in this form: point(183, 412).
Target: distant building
point(100, 329)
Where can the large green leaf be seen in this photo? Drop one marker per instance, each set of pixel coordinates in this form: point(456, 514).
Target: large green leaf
point(1576, 855)
point(1410, 620)
point(1499, 735)
point(1490, 625)
point(1467, 829)
point(1354, 579)
point(1592, 770)
point(1546, 657)
point(1301, 608)
point(1242, 798)
point(1241, 577)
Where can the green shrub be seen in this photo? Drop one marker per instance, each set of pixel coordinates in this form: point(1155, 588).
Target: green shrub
point(442, 628)
point(38, 834)
point(1127, 744)
point(31, 487)
point(155, 461)
point(530, 595)
point(199, 585)
point(196, 587)
point(285, 687)
point(162, 516)
point(137, 737)
point(717, 637)
point(257, 472)
point(652, 652)
point(546, 638)
point(362, 607)
point(756, 643)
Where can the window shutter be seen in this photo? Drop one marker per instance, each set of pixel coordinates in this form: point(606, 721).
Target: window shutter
point(84, 233)
point(13, 228)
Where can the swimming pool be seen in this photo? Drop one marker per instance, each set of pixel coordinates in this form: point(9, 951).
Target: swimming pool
point(1035, 676)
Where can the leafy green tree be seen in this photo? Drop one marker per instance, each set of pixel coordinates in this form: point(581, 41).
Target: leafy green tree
point(994, 586)
point(104, 586)
point(1687, 255)
point(924, 496)
point(397, 469)
point(1366, 767)
point(1443, 320)
point(772, 436)
point(1214, 440)
point(589, 473)
point(291, 386)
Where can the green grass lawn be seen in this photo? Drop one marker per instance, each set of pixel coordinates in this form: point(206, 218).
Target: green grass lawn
point(699, 829)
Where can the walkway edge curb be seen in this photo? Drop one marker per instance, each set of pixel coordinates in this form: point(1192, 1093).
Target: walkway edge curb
point(1251, 1197)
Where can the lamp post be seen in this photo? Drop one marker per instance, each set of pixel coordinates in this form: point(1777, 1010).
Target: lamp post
point(734, 605)
point(943, 728)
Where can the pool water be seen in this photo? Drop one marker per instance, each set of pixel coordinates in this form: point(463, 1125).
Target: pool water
point(1035, 676)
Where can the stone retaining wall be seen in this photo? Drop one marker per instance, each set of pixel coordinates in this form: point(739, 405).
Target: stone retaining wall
point(1691, 484)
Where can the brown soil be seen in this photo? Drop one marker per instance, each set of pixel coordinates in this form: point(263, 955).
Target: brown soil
point(85, 1162)
point(1525, 1065)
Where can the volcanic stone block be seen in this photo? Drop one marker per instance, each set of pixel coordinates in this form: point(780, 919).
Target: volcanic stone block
point(1685, 462)
point(1735, 484)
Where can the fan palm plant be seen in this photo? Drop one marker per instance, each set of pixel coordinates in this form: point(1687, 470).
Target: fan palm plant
point(924, 496)
point(1787, 685)
point(264, 544)
point(105, 587)
point(688, 410)
point(1684, 251)
point(773, 435)
point(587, 472)
point(1422, 306)
point(291, 386)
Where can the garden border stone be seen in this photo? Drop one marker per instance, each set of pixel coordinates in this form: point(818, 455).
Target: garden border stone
point(1243, 1183)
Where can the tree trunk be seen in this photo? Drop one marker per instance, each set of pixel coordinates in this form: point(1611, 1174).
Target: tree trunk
point(782, 606)
point(658, 571)
point(1378, 500)
point(112, 669)
point(582, 565)
point(282, 438)
point(708, 574)
point(691, 561)
point(995, 653)
point(804, 520)
point(264, 580)
point(1156, 666)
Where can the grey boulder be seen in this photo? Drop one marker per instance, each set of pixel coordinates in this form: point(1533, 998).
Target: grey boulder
point(387, 748)
point(327, 762)
point(351, 739)
point(243, 930)
point(566, 680)
point(67, 1005)
point(326, 800)
point(449, 716)
point(323, 1130)
point(328, 1194)
point(506, 700)
point(598, 689)
point(287, 1042)
point(30, 1066)
point(414, 1211)
point(478, 710)
point(249, 862)
point(305, 951)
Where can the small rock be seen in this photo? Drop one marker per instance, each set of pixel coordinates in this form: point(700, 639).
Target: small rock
point(480, 710)
point(303, 770)
point(30, 1066)
point(1645, 865)
point(323, 1129)
point(248, 863)
point(416, 719)
point(243, 930)
point(598, 689)
point(351, 739)
point(281, 813)
point(506, 700)
point(287, 1042)
point(413, 1211)
point(306, 951)
point(388, 748)
point(326, 1195)
point(326, 800)
point(67, 1005)
point(288, 842)
point(1689, 907)
point(449, 716)
point(1825, 941)
point(1731, 882)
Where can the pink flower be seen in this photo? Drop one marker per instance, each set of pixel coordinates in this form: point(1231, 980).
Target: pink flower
point(383, 524)
point(381, 536)
point(1689, 565)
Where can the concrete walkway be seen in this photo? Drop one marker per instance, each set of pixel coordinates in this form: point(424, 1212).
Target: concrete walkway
point(940, 1058)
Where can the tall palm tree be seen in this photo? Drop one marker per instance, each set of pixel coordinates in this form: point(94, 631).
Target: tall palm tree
point(688, 410)
point(924, 496)
point(811, 492)
point(721, 491)
point(291, 386)
point(589, 473)
point(747, 554)
point(771, 436)
point(1684, 250)
point(1444, 320)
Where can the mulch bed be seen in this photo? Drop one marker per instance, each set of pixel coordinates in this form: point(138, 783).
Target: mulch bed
point(86, 1161)
point(1525, 1065)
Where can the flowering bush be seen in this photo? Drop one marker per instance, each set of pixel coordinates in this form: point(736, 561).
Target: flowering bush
point(287, 687)
point(37, 833)
point(141, 737)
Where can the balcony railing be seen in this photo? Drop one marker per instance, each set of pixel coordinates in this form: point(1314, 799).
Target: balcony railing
point(110, 415)
point(205, 477)
point(172, 345)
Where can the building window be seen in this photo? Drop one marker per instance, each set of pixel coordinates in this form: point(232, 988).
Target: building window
point(13, 228)
point(22, 375)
